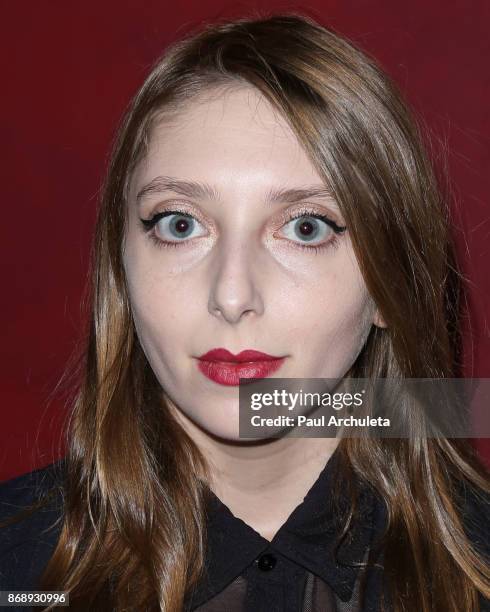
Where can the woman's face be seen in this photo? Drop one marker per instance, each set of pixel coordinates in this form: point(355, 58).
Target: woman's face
point(238, 271)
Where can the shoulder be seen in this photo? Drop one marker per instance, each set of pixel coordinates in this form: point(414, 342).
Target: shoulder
point(31, 509)
point(474, 506)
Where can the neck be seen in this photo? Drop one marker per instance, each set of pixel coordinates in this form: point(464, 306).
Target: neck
point(263, 481)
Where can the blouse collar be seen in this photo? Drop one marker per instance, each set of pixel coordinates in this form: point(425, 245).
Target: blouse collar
point(306, 538)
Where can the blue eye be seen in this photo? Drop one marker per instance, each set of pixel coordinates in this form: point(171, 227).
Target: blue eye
point(312, 232)
point(308, 229)
point(173, 226)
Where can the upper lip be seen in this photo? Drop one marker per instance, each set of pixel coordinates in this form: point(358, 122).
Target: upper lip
point(222, 354)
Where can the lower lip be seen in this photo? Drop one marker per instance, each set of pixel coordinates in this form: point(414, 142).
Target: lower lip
point(229, 373)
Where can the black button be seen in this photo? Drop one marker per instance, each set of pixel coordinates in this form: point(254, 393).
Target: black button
point(266, 562)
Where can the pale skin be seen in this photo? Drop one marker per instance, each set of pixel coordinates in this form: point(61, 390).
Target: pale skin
point(241, 280)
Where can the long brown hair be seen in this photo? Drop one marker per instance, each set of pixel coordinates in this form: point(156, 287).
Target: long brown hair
point(126, 545)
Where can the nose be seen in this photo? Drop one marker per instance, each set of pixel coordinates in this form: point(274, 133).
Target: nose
point(234, 291)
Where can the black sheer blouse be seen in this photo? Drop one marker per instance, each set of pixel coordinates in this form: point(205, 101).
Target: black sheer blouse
point(298, 571)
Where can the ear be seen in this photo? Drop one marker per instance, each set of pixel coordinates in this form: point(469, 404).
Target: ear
point(378, 319)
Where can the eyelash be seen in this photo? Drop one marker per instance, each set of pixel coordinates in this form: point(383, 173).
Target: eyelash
point(334, 242)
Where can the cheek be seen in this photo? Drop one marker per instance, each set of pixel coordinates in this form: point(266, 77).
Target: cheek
point(333, 315)
point(343, 334)
point(158, 319)
point(335, 319)
point(156, 304)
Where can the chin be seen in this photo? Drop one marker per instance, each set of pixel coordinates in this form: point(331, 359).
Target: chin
point(225, 432)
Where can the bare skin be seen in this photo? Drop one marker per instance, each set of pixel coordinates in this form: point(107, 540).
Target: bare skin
point(242, 279)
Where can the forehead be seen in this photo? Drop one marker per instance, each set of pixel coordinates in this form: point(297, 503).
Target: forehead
point(233, 138)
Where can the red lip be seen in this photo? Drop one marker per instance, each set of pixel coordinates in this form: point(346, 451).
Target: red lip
point(224, 368)
point(221, 354)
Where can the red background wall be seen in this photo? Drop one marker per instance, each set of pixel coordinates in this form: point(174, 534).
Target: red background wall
point(69, 69)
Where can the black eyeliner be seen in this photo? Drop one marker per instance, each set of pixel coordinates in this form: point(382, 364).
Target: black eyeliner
point(148, 224)
point(338, 229)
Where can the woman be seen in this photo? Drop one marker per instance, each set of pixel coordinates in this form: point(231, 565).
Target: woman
point(268, 192)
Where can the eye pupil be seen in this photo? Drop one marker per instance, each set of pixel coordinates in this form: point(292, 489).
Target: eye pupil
point(181, 225)
point(307, 229)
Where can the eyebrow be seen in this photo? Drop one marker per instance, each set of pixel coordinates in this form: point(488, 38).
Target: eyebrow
point(190, 189)
point(193, 189)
